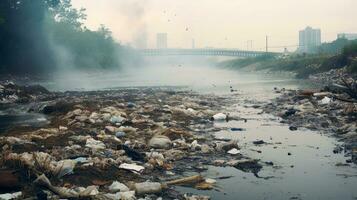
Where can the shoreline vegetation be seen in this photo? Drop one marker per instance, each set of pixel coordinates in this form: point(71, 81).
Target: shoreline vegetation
point(52, 37)
point(303, 65)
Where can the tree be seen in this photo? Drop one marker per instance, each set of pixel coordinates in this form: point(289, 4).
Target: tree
point(33, 31)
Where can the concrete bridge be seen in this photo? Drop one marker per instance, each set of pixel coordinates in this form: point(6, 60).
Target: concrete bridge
point(204, 52)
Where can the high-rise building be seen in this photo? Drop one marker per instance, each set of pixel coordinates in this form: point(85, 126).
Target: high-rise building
point(161, 40)
point(309, 39)
point(348, 36)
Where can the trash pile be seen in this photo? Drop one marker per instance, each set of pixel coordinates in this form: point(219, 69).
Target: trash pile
point(12, 93)
point(333, 76)
point(330, 110)
point(119, 144)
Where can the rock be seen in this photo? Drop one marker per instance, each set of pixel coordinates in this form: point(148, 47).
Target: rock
point(118, 187)
point(238, 129)
point(249, 166)
point(290, 112)
point(160, 142)
point(259, 142)
point(148, 187)
point(131, 105)
point(120, 134)
point(293, 128)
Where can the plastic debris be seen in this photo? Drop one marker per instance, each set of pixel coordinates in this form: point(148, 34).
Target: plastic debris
point(160, 142)
point(62, 192)
point(130, 195)
point(95, 144)
point(148, 187)
point(195, 146)
point(219, 117)
point(233, 151)
point(132, 167)
point(117, 119)
point(325, 101)
point(118, 187)
point(9, 196)
point(65, 167)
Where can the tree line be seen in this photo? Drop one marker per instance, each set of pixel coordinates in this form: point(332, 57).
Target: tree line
point(39, 36)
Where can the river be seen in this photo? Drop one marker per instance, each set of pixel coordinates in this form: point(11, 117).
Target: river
point(309, 172)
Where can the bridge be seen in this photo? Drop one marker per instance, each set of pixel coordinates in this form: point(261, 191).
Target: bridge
point(204, 52)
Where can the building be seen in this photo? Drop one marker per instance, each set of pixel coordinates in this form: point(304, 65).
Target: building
point(161, 40)
point(348, 36)
point(309, 39)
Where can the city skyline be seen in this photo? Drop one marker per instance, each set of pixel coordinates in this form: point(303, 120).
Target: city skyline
point(222, 25)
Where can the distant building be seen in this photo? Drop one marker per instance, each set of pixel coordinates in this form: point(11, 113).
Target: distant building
point(161, 40)
point(348, 36)
point(309, 39)
point(193, 44)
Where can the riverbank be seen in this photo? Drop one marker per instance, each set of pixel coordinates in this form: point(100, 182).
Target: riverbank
point(331, 110)
point(113, 144)
point(301, 65)
point(92, 133)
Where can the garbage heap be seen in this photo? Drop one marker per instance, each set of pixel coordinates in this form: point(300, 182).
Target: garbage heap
point(331, 110)
point(118, 144)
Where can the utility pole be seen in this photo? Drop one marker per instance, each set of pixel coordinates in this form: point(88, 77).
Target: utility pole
point(266, 44)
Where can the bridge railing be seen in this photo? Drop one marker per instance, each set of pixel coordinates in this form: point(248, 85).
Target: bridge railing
point(204, 52)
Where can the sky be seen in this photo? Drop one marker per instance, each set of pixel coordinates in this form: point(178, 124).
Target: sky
point(220, 23)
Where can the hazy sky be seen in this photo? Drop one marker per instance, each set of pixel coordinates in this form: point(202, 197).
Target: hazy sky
point(220, 23)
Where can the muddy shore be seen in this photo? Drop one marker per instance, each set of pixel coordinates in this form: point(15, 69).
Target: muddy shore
point(114, 144)
point(330, 110)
